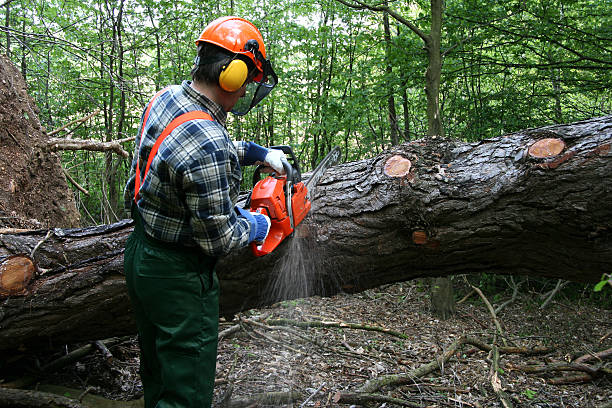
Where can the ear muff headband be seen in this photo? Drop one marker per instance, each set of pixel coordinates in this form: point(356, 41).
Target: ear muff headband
point(233, 75)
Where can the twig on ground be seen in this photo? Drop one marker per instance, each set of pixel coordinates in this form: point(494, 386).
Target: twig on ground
point(493, 315)
point(591, 370)
point(496, 381)
point(363, 398)
point(356, 326)
point(560, 285)
point(307, 400)
point(268, 398)
point(515, 290)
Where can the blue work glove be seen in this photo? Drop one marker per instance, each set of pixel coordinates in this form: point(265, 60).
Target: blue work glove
point(257, 154)
point(260, 224)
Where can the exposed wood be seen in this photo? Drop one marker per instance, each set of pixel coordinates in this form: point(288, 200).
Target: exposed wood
point(545, 148)
point(466, 208)
point(16, 273)
point(397, 166)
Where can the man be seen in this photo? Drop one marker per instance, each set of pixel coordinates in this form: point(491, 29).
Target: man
point(182, 191)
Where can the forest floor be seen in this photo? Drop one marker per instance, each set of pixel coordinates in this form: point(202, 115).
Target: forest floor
point(262, 355)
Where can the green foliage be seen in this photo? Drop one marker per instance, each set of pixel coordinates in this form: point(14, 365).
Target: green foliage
point(606, 279)
point(530, 394)
point(506, 66)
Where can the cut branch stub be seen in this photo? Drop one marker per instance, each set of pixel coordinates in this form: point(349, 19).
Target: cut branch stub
point(546, 148)
point(16, 272)
point(397, 166)
point(419, 237)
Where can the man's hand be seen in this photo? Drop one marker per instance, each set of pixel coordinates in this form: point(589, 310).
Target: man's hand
point(274, 159)
point(260, 224)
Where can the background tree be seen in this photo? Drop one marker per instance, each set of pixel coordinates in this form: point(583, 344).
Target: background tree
point(507, 66)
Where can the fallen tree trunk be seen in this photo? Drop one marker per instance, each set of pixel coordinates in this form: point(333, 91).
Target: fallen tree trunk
point(534, 203)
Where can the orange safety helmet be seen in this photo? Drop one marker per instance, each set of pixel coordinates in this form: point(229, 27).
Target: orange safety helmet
point(241, 37)
point(236, 35)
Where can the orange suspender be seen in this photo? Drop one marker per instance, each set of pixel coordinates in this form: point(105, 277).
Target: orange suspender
point(179, 120)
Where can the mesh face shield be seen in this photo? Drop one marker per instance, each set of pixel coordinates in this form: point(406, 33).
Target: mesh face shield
point(256, 91)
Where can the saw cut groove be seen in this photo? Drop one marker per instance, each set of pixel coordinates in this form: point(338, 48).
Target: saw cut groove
point(546, 148)
point(16, 272)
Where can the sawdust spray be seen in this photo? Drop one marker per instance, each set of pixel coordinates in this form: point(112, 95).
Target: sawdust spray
point(295, 273)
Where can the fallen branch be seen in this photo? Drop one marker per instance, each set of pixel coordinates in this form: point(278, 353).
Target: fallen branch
point(32, 399)
point(438, 363)
point(592, 356)
point(570, 379)
point(268, 398)
point(356, 326)
point(588, 369)
point(55, 144)
point(529, 351)
point(364, 398)
point(400, 379)
point(352, 354)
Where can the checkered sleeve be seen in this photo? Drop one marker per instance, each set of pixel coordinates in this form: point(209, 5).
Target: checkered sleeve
point(214, 223)
point(241, 148)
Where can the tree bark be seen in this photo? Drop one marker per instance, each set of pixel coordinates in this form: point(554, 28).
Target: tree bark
point(536, 202)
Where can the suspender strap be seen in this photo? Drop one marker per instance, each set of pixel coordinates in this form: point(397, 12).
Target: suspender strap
point(179, 120)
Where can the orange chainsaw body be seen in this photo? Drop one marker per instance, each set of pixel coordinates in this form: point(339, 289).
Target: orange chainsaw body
point(269, 196)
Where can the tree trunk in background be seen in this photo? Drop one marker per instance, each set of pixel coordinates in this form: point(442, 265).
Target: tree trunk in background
point(389, 69)
point(434, 71)
point(7, 23)
point(532, 203)
point(441, 289)
point(442, 297)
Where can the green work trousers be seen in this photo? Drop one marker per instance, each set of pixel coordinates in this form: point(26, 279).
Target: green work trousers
point(175, 299)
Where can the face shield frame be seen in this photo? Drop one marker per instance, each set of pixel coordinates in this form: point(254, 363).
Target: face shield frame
point(259, 87)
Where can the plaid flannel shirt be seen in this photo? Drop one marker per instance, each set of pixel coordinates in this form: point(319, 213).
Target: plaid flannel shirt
point(189, 193)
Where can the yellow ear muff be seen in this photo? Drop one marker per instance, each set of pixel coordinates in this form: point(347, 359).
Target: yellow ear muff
point(233, 75)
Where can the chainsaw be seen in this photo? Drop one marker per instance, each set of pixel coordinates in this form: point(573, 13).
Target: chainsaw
point(284, 198)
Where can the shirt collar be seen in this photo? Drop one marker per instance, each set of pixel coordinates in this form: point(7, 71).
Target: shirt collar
point(214, 108)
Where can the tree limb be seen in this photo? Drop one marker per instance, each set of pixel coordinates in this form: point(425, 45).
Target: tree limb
point(77, 121)
point(359, 5)
point(55, 144)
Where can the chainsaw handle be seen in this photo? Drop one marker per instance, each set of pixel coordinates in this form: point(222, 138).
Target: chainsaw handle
point(291, 170)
